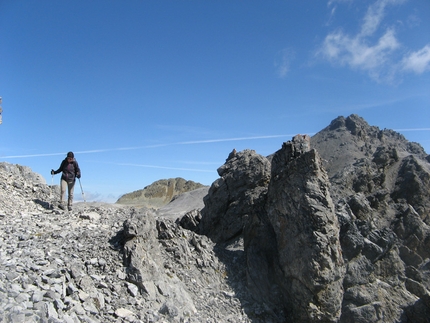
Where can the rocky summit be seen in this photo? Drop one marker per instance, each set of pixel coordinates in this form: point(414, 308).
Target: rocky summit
point(329, 228)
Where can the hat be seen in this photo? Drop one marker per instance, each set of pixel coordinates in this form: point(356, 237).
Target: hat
point(70, 154)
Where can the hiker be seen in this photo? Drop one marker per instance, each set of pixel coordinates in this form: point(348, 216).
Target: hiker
point(70, 168)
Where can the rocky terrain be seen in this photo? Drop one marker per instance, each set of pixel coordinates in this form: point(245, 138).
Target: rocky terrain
point(106, 262)
point(333, 228)
point(159, 193)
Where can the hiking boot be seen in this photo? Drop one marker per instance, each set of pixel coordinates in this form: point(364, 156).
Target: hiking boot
point(69, 208)
point(61, 206)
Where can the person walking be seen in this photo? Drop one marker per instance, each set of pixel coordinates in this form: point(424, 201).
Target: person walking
point(70, 168)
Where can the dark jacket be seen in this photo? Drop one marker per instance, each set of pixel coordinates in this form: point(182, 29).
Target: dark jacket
point(70, 170)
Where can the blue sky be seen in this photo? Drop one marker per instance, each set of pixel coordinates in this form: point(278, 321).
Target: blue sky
point(148, 90)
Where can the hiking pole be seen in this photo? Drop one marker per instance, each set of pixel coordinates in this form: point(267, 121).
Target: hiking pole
point(83, 195)
point(50, 191)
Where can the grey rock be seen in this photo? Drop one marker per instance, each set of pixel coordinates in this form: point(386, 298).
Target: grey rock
point(169, 309)
point(306, 229)
point(233, 197)
point(133, 289)
point(184, 203)
point(416, 288)
point(123, 312)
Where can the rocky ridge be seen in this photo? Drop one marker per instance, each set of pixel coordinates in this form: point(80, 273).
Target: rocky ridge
point(335, 227)
point(332, 228)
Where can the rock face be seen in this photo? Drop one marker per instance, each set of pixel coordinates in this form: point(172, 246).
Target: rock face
point(302, 215)
point(333, 228)
point(231, 198)
point(291, 232)
point(159, 193)
point(379, 184)
point(338, 231)
point(378, 164)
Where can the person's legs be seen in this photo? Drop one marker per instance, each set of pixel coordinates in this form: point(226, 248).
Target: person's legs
point(71, 188)
point(63, 188)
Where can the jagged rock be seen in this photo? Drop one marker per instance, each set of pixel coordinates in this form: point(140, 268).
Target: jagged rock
point(378, 181)
point(232, 197)
point(190, 220)
point(412, 183)
point(380, 164)
point(381, 225)
point(306, 228)
point(142, 259)
point(418, 312)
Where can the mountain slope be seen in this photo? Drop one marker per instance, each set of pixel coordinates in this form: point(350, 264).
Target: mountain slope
point(159, 193)
point(351, 190)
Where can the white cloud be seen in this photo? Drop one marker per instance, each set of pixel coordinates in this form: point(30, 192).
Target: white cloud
point(373, 50)
point(282, 62)
point(418, 61)
point(357, 53)
point(374, 15)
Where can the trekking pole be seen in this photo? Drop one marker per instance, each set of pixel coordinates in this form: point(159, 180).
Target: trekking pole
point(50, 191)
point(83, 195)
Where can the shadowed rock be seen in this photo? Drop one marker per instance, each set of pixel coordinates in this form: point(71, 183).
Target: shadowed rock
point(306, 228)
point(233, 197)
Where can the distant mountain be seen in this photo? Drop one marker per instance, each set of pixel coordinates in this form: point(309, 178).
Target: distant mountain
point(159, 193)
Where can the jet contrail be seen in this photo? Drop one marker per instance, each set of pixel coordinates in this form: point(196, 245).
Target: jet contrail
point(413, 129)
point(163, 167)
point(232, 139)
point(36, 155)
point(85, 151)
point(183, 143)
point(152, 146)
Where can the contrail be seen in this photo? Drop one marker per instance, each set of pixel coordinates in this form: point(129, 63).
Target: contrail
point(85, 151)
point(413, 129)
point(232, 139)
point(163, 167)
point(37, 155)
point(184, 143)
point(153, 146)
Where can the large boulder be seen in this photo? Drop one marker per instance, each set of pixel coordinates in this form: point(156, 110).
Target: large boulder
point(309, 268)
point(235, 195)
point(142, 258)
